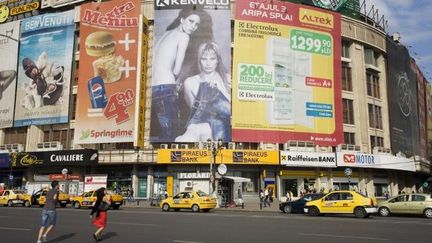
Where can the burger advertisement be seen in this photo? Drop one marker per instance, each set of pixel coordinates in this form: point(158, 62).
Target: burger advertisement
point(108, 73)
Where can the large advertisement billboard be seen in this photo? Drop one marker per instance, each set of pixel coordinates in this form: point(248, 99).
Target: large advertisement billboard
point(402, 102)
point(44, 69)
point(350, 8)
point(191, 82)
point(421, 99)
point(9, 34)
point(286, 74)
point(109, 40)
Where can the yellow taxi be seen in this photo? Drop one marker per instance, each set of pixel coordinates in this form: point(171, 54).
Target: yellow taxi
point(342, 202)
point(88, 199)
point(39, 198)
point(196, 201)
point(14, 197)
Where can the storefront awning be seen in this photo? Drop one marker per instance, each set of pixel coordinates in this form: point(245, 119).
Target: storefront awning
point(237, 179)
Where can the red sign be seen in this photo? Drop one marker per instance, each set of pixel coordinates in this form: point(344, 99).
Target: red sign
point(61, 177)
point(349, 158)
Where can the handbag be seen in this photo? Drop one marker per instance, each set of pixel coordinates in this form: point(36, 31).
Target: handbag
point(103, 206)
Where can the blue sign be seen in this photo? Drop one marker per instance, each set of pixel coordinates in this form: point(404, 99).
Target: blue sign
point(10, 177)
point(4, 161)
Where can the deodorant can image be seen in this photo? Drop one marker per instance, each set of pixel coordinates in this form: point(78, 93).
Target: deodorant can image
point(97, 93)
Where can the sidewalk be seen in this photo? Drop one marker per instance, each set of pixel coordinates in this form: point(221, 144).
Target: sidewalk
point(249, 206)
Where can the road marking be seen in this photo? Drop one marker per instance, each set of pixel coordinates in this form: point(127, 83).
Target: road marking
point(344, 236)
point(186, 241)
point(18, 229)
point(134, 224)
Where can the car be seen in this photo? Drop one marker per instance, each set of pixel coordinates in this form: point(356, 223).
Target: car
point(88, 199)
point(415, 203)
point(342, 202)
point(297, 206)
point(197, 200)
point(39, 198)
point(13, 197)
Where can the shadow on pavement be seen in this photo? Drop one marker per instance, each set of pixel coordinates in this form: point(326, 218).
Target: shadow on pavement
point(62, 238)
point(109, 235)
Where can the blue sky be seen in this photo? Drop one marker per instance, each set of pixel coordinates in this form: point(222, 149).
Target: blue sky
point(413, 20)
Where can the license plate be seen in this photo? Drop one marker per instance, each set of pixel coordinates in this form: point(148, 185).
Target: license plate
point(17, 201)
point(117, 203)
point(63, 201)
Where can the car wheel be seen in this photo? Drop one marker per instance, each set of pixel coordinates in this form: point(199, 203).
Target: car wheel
point(165, 207)
point(115, 207)
point(63, 205)
point(76, 205)
point(360, 212)
point(10, 204)
point(195, 208)
point(287, 209)
point(384, 211)
point(27, 204)
point(313, 211)
point(428, 213)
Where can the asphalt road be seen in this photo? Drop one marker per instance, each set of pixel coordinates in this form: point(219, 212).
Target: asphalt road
point(20, 225)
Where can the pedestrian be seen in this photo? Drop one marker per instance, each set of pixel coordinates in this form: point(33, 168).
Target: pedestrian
point(99, 212)
point(288, 196)
point(386, 195)
point(261, 196)
point(266, 198)
point(49, 214)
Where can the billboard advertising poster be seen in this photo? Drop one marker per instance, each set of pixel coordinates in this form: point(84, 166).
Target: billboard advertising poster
point(374, 161)
point(109, 40)
point(44, 69)
point(429, 118)
point(350, 8)
point(402, 102)
point(11, 10)
point(307, 159)
point(421, 108)
point(286, 74)
point(191, 82)
point(9, 34)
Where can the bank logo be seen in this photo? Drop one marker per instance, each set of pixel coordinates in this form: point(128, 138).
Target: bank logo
point(238, 156)
point(176, 156)
point(349, 158)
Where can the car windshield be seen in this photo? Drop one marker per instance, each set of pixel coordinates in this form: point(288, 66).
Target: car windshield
point(202, 194)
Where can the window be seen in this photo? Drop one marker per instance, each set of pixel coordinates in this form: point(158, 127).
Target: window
point(370, 57)
point(346, 196)
point(418, 198)
point(375, 116)
point(381, 189)
point(333, 197)
point(373, 86)
point(74, 102)
point(349, 138)
point(15, 135)
point(348, 111)
point(376, 142)
point(346, 77)
point(345, 49)
point(57, 135)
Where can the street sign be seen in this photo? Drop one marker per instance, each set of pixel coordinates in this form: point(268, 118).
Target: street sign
point(11, 177)
point(425, 184)
point(222, 169)
point(348, 171)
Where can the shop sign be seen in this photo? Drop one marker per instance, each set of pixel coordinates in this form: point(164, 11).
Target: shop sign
point(62, 177)
point(375, 161)
point(194, 175)
point(307, 159)
point(17, 9)
point(58, 3)
point(49, 158)
point(187, 156)
point(94, 182)
point(257, 157)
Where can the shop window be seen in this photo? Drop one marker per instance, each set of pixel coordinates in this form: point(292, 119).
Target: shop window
point(291, 185)
point(346, 77)
point(381, 189)
point(348, 111)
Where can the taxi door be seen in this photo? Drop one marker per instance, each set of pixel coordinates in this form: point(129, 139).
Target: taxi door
point(88, 198)
point(330, 203)
point(187, 200)
point(347, 202)
point(177, 200)
point(3, 197)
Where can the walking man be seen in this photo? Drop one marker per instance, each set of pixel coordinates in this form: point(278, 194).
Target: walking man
point(49, 214)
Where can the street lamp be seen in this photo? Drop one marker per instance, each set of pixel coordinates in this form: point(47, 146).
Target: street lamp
point(214, 147)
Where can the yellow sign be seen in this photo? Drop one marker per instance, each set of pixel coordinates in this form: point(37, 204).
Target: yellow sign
point(319, 18)
point(248, 157)
point(183, 156)
point(24, 8)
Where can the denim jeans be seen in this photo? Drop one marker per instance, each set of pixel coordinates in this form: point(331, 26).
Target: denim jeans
point(212, 107)
point(49, 217)
point(165, 107)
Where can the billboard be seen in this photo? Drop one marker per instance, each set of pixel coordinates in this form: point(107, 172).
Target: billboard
point(191, 83)
point(421, 99)
point(286, 74)
point(429, 118)
point(44, 69)
point(350, 8)
point(402, 101)
point(9, 34)
point(346, 159)
point(109, 40)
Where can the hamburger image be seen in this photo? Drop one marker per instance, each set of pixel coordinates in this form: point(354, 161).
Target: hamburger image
point(100, 43)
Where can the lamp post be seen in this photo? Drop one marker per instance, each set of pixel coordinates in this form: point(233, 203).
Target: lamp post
point(214, 147)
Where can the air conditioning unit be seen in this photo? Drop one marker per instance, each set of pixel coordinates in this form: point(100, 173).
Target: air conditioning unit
point(49, 146)
point(381, 150)
point(231, 145)
point(347, 147)
point(16, 147)
point(164, 146)
point(174, 146)
point(267, 146)
point(189, 184)
point(184, 146)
